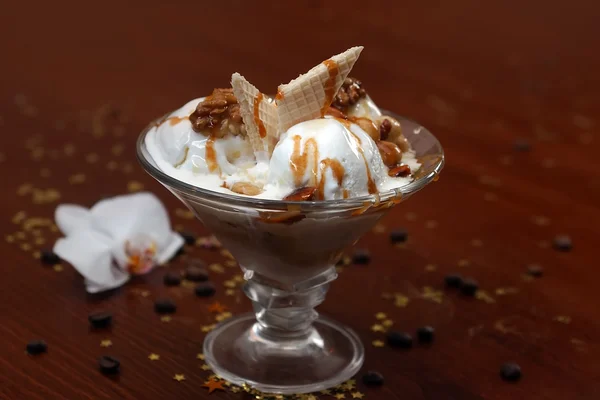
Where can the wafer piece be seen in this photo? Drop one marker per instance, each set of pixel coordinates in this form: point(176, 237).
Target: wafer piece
point(258, 112)
point(308, 96)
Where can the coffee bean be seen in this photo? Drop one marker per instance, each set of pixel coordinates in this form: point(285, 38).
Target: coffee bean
point(109, 365)
point(172, 279)
point(510, 372)
point(399, 235)
point(469, 287)
point(361, 257)
point(36, 347)
point(562, 243)
point(164, 306)
point(522, 145)
point(401, 340)
point(425, 334)
point(49, 257)
point(372, 378)
point(195, 273)
point(206, 289)
point(189, 238)
point(453, 281)
point(100, 319)
point(535, 270)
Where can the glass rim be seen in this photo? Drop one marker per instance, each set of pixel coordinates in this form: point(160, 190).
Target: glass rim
point(270, 204)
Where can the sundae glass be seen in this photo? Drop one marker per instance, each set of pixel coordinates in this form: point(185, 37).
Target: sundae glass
point(285, 184)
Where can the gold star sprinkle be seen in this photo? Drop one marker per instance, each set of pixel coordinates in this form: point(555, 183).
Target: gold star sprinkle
point(216, 267)
point(540, 220)
point(229, 284)
point(145, 293)
point(213, 385)
point(357, 395)
point(484, 296)
point(400, 300)
point(39, 240)
point(326, 391)
point(378, 343)
point(216, 307)
point(235, 389)
point(25, 246)
point(430, 267)
point(106, 343)
point(200, 356)
point(227, 254)
point(37, 255)
point(205, 367)
point(340, 396)
point(308, 397)
point(377, 328)
point(504, 291)
point(230, 292)
point(387, 323)
point(57, 268)
point(165, 318)
point(238, 278)
point(223, 316)
point(231, 263)
point(208, 328)
point(9, 238)
point(134, 186)
point(179, 377)
point(153, 357)
point(77, 179)
point(380, 316)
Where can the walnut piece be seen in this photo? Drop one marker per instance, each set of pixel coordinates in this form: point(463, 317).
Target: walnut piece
point(393, 132)
point(302, 194)
point(219, 114)
point(349, 94)
point(390, 153)
point(399, 171)
point(245, 188)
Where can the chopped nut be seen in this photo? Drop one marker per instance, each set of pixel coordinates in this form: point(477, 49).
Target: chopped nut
point(394, 135)
point(219, 113)
point(368, 126)
point(390, 153)
point(302, 194)
point(384, 129)
point(399, 171)
point(245, 188)
point(349, 94)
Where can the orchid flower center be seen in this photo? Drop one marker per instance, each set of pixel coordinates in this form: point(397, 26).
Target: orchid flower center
point(140, 252)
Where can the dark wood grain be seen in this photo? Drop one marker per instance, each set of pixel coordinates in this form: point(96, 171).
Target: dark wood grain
point(478, 74)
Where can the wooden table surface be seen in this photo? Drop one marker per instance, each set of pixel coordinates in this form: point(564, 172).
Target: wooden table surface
point(80, 80)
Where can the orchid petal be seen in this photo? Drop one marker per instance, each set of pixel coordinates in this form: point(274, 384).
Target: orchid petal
point(70, 217)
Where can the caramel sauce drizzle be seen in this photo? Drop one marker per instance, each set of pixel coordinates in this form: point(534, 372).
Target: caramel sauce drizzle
point(262, 131)
point(299, 160)
point(279, 95)
point(185, 156)
point(211, 154)
point(371, 186)
point(338, 172)
point(334, 70)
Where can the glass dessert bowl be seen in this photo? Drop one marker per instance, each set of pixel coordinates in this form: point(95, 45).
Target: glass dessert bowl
point(288, 251)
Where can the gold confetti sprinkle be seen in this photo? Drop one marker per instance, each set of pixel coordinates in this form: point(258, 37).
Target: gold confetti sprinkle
point(188, 284)
point(41, 196)
point(227, 254)
point(205, 367)
point(25, 246)
point(216, 267)
point(340, 396)
point(106, 343)
point(24, 189)
point(165, 318)
point(200, 356)
point(184, 213)
point(229, 284)
point(463, 262)
point(112, 165)
point(145, 293)
point(77, 179)
point(231, 263)
point(563, 319)
point(216, 307)
point(91, 158)
point(20, 235)
point(377, 328)
point(154, 357)
point(229, 292)
point(117, 149)
point(238, 278)
point(69, 149)
point(431, 294)
point(476, 243)
point(325, 391)
point(400, 300)
point(430, 267)
point(387, 323)
point(208, 328)
point(37, 255)
point(502, 291)
point(134, 186)
point(57, 268)
point(484, 296)
point(39, 241)
point(223, 316)
point(179, 377)
point(380, 316)
point(9, 238)
point(378, 343)
point(235, 389)
point(357, 395)
point(431, 224)
point(213, 384)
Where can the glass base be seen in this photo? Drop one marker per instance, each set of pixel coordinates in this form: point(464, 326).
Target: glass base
point(243, 351)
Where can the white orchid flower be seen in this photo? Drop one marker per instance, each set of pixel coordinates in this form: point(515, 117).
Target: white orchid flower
point(118, 237)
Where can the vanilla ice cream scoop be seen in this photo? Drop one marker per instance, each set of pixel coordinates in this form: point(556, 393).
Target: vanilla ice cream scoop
point(337, 158)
